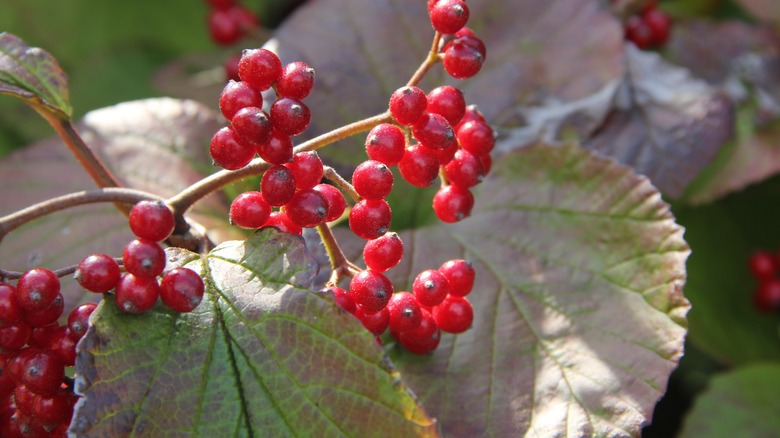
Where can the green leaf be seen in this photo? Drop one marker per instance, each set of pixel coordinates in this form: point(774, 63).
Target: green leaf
point(579, 313)
point(740, 403)
point(34, 76)
point(261, 356)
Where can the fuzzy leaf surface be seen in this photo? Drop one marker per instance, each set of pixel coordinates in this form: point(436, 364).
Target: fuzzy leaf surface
point(579, 313)
point(33, 75)
point(261, 356)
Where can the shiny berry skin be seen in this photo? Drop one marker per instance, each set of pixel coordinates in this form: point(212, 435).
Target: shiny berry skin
point(36, 289)
point(296, 81)
point(307, 208)
point(249, 210)
point(47, 315)
point(343, 299)
point(259, 67)
point(453, 203)
point(277, 185)
point(464, 170)
point(446, 155)
point(468, 37)
point(476, 137)
point(449, 16)
point(41, 336)
point(405, 312)
point(433, 131)
point(10, 311)
point(51, 411)
point(384, 252)
point(14, 336)
point(419, 166)
point(251, 126)
point(98, 273)
point(370, 218)
point(63, 345)
point(638, 32)
point(41, 372)
point(376, 322)
point(307, 168)
point(762, 264)
point(372, 180)
point(370, 290)
point(448, 102)
point(151, 220)
point(78, 320)
point(227, 152)
point(430, 287)
point(237, 95)
point(407, 104)
point(281, 221)
point(336, 202)
point(290, 116)
point(181, 289)
point(278, 149)
point(660, 25)
point(462, 60)
point(223, 28)
point(385, 143)
point(454, 315)
point(136, 294)
point(143, 258)
point(766, 297)
point(460, 276)
point(423, 339)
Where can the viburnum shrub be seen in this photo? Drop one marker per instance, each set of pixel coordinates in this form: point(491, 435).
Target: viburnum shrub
point(327, 317)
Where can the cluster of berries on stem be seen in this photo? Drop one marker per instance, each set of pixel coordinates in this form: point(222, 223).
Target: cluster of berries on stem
point(649, 28)
point(764, 266)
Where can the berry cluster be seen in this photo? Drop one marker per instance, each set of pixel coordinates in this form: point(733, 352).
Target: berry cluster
point(463, 52)
point(765, 266)
point(228, 22)
point(416, 319)
point(143, 259)
point(649, 28)
point(35, 397)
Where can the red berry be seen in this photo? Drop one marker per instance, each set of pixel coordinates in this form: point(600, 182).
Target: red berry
point(336, 202)
point(423, 339)
point(136, 294)
point(251, 126)
point(433, 131)
point(249, 210)
point(51, 411)
point(231, 67)
point(766, 298)
point(384, 252)
point(446, 155)
point(36, 289)
point(237, 95)
point(430, 287)
point(10, 311)
point(460, 276)
point(407, 104)
point(462, 60)
point(448, 102)
point(151, 220)
point(41, 371)
point(476, 137)
point(78, 320)
point(376, 322)
point(13, 337)
point(307, 168)
point(223, 27)
point(453, 203)
point(385, 143)
point(343, 299)
point(638, 32)
point(98, 273)
point(370, 218)
point(372, 180)
point(47, 315)
point(63, 345)
point(464, 170)
point(370, 290)
point(419, 166)
point(454, 315)
point(449, 16)
point(405, 312)
point(278, 149)
point(41, 336)
point(660, 25)
point(281, 221)
point(297, 81)
point(221, 4)
point(762, 265)
point(278, 185)
point(181, 289)
point(260, 67)
point(468, 37)
point(143, 258)
point(227, 152)
point(307, 208)
point(290, 116)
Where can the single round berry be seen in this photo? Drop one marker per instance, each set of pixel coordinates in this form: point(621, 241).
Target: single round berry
point(181, 289)
point(370, 290)
point(376, 322)
point(47, 315)
point(467, 36)
point(151, 220)
point(476, 137)
point(136, 294)
point(766, 298)
point(659, 24)
point(464, 170)
point(237, 95)
point(370, 218)
point(307, 168)
point(10, 311)
point(385, 143)
point(419, 166)
point(259, 67)
point(638, 32)
point(51, 411)
point(297, 81)
point(251, 126)
point(423, 339)
point(433, 131)
point(430, 287)
point(227, 152)
point(41, 372)
point(36, 289)
point(63, 345)
point(223, 27)
point(343, 299)
point(372, 180)
point(278, 185)
point(336, 202)
point(290, 116)
point(762, 264)
point(460, 276)
point(462, 60)
point(453, 203)
point(448, 102)
point(449, 16)
point(472, 114)
point(384, 252)
point(78, 320)
point(281, 221)
point(407, 104)
point(143, 258)
point(307, 208)
point(98, 273)
point(14, 336)
point(249, 210)
point(278, 149)
point(405, 312)
point(454, 315)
